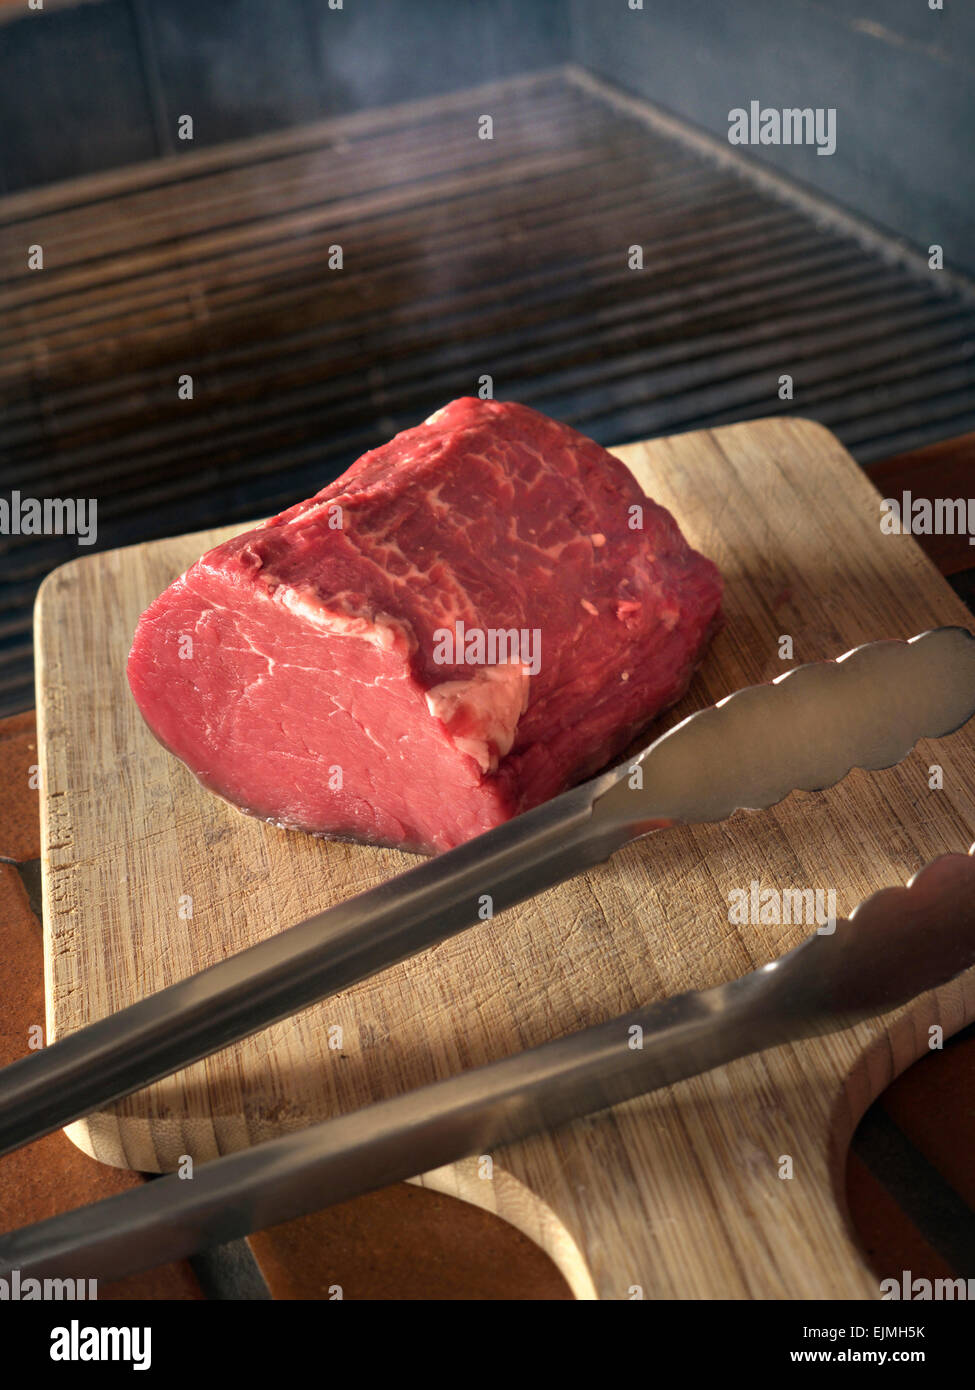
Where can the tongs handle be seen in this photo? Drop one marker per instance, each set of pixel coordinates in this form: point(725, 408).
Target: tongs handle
point(296, 967)
point(865, 966)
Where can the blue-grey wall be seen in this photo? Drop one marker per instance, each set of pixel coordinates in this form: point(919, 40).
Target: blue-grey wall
point(100, 85)
point(900, 75)
point(95, 86)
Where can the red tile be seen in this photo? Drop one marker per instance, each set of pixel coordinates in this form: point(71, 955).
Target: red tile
point(890, 1241)
point(20, 834)
point(405, 1242)
point(933, 1104)
point(938, 470)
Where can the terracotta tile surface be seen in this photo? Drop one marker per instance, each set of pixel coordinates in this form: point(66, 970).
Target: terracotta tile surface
point(19, 825)
point(889, 1240)
point(405, 1242)
point(938, 470)
point(933, 1104)
point(52, 1175)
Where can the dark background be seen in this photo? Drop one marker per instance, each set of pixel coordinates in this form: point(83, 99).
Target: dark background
point(101, 84)
point(463, 257)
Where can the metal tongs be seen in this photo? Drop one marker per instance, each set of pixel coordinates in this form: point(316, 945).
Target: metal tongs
point(804, 731)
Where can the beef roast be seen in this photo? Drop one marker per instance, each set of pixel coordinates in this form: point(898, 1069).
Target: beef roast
point(476, 615)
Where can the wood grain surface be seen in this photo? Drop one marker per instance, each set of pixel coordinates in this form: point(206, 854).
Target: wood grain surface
point(677, 1194)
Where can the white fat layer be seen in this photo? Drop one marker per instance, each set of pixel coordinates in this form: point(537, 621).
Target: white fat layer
point(381, 630)
point(482, 714)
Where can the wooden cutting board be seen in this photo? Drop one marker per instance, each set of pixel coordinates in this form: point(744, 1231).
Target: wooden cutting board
point(675, 1195)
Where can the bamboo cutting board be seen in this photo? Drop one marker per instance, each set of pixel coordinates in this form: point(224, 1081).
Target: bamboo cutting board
point(675, 1195)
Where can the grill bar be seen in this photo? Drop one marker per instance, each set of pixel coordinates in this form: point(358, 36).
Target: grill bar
point(461, 258)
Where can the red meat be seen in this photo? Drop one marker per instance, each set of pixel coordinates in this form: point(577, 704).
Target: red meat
point(473, 617)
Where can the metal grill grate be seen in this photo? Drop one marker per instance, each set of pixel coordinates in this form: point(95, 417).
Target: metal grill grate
point(462, 257)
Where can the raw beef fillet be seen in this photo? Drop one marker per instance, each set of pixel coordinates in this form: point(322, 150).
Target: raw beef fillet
point(334, 670)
